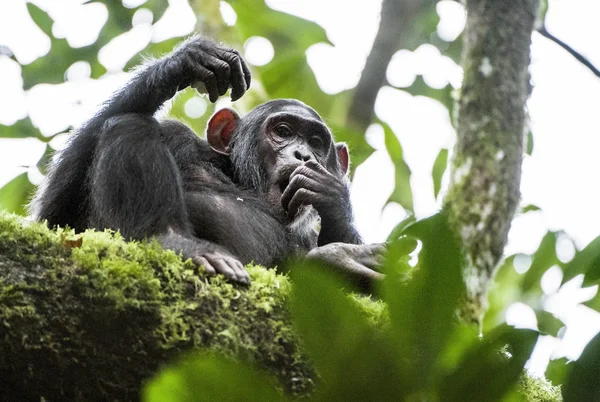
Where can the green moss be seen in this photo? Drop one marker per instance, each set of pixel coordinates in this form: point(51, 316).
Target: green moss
point(89, 308)
point(89, 317)
point(536, 389)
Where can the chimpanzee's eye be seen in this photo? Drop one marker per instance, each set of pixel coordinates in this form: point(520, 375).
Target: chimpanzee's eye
point(283, 130)
point(315, 142)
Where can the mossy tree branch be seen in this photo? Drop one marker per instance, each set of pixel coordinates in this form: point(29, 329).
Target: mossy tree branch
point(92, 319)
point(486, 168)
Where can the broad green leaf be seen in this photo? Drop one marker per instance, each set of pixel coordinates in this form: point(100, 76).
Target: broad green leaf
point(420, 88)
point(439, 167)
point(491, 368)
point(286, 32)
point(422, 316)
point(203, 377)
point(21, 129)
point(583, 384)
point(402, 193)
point(15, 194)
point(544, 258)
point(360, 149)
point(548, 323)
point(594, 303)
point(503, 292)
point(586, 260)
point(354, 360)
point(558, 370)
point(41, 19)
point(288, 75)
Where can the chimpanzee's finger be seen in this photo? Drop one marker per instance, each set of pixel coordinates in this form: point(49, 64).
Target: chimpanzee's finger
point(209, 80)
point(238, 268)
point(237, 78)
point(247, 75)
point(222, 267)
point(300, 198)
point(221, 70)
point(240, 271)
point(360, 271)
point(209, 269)
point(296, 183)
point(314, 165)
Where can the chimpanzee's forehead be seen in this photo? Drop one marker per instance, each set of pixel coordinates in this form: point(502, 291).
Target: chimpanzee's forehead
point(293, 106)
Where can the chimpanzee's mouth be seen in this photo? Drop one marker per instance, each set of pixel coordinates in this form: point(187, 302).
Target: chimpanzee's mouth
point(283, 184)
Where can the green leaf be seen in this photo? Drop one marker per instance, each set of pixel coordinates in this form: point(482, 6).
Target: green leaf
point(202, 377)
point(420, 88)
point(491, 368)
point(548, 323)
point(15, 194)
point(503, 292)
point(41, 18)
point(530, 208)
point(288, 75)
point(530, 143)
point(544, 258)
point(586, 260)
point(399, 229)
point(285, 31)
point(354, 360)
point(583, 384)
point(439, 167)
point(402, 193)
point(558, 370)
point(21, 129)
point(423, 313)
point(360, 149)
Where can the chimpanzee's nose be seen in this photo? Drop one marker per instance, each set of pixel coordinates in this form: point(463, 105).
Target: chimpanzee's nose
point(302, 156)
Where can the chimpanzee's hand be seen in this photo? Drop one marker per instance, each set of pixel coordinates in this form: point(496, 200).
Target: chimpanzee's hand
point(206, 65)
point(214, 258)
point(312, 184)
point(220, 263)
point(358, 261)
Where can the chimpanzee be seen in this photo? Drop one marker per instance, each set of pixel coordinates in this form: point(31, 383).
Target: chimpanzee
point(254, 190)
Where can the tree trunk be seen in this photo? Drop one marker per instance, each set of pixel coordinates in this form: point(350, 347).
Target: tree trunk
point(486, 168)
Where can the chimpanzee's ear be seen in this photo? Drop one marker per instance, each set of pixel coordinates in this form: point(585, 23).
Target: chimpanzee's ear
point(342, 151)
point(220, 127)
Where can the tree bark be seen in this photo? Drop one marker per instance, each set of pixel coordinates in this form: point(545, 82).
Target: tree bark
point(486, 168)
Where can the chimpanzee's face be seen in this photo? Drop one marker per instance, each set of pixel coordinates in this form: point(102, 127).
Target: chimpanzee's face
point(292, 137)
point(274, 139)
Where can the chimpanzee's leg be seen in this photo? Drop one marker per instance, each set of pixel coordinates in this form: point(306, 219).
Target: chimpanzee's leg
point(136, 187)
point(135, 184)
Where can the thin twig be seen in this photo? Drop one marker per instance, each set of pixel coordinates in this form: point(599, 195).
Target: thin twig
point(571, 51)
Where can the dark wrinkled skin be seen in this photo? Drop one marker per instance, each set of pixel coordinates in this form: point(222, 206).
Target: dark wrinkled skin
point(254, 193)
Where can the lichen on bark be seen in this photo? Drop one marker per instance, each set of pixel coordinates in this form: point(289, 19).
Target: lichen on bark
point(486, 168)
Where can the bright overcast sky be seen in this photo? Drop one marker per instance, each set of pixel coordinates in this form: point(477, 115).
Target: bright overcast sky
point(560, 176)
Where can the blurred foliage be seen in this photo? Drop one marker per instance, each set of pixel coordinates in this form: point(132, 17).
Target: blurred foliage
point(424, 353)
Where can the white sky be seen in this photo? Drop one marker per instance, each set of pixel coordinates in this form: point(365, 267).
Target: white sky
point(560, 176)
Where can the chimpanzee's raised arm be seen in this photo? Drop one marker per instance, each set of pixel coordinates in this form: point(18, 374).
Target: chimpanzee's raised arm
point(196, 61)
